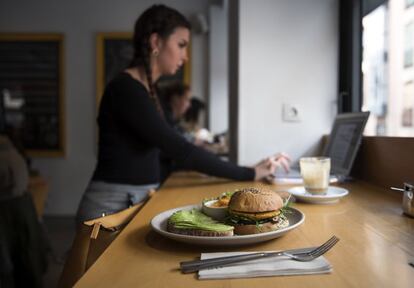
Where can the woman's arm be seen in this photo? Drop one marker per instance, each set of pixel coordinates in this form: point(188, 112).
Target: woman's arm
point(137, 113)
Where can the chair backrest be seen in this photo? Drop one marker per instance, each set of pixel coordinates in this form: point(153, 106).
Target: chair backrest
point(91, 240)
point(14, 173)
point(23, 249)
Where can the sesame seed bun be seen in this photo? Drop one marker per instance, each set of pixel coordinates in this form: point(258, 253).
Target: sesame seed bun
point(253, 200)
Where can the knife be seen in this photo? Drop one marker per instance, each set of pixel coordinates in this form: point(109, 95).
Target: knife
point(193, 266)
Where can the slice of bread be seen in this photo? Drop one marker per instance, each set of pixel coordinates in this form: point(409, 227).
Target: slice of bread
point(197, 232)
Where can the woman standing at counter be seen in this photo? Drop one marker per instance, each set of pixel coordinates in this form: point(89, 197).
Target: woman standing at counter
point(132, 128)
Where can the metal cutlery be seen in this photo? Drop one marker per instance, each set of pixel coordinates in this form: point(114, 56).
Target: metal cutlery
point(296, 254)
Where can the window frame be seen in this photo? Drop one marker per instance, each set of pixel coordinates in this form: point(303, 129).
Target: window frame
point(350, 80)
point(350, 56)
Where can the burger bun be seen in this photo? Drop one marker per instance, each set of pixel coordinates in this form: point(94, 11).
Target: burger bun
point(254, 200)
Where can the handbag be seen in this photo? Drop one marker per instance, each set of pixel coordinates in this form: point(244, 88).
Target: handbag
point(91, 240)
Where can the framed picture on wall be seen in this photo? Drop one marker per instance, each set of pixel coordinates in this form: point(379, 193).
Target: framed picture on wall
point(31, 87)
point(114, 52)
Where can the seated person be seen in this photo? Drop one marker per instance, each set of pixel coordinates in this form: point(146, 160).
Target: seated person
point(183, 113)
point(191, 123)
point(202, 137)
point(175, 101)
point(22, 247)
point(14, 175)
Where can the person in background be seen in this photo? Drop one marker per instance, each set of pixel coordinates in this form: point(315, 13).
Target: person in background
point(23, 258)
point(133, 129)
point(183, 112)
point(191, 124)
point(175, 99)
point(193, 114)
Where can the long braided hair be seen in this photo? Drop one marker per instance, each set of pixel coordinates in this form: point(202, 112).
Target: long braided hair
point(161, 20)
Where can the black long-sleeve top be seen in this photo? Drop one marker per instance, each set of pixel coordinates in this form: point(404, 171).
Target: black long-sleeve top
point(132, 132)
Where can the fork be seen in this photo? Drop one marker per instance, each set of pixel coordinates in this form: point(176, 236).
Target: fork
point(193, 266)
point(315, 253)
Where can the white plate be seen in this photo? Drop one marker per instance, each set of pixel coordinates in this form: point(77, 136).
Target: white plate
point(333, 194)
point(159, 224)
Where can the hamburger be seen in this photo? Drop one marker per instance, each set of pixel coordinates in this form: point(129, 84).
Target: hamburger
point(253, 210)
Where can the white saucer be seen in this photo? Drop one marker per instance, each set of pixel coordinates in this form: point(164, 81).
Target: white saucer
point(332, 195)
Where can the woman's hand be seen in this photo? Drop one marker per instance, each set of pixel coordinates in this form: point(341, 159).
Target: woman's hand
point(267, 167)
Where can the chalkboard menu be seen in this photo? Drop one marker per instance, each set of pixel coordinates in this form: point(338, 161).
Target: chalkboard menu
point(31, 91)
point(114, 54)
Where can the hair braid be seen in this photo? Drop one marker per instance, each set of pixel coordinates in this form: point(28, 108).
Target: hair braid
point(153, 95)
point(161, 20)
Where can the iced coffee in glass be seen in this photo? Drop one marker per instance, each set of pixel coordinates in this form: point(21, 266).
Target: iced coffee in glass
point(315, 173)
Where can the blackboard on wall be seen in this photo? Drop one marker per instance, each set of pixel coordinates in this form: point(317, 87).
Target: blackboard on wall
point(31, 90)
point(114, 54)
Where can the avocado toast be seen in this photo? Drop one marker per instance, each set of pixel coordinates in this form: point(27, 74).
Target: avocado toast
point(194, 222)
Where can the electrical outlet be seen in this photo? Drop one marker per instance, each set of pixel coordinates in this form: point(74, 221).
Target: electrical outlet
point(291, 113)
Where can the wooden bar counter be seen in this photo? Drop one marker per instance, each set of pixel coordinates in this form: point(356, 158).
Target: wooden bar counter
point(377, 241)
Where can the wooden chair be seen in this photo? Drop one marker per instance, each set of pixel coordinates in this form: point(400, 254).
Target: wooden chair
point(91, 240)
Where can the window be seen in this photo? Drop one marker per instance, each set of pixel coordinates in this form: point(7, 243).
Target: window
point(407, 118)
point(388, 68)
point(409, 45)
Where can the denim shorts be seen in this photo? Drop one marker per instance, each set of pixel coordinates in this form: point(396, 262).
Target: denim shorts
point(103, 198)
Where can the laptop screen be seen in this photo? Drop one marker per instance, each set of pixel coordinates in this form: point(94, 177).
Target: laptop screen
point(344, 141)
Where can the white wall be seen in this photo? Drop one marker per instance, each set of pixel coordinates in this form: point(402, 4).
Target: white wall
point(79, 21)
point(218, 72)
point(288, 54)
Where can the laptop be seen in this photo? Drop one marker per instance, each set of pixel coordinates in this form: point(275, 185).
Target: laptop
point(342, 148)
